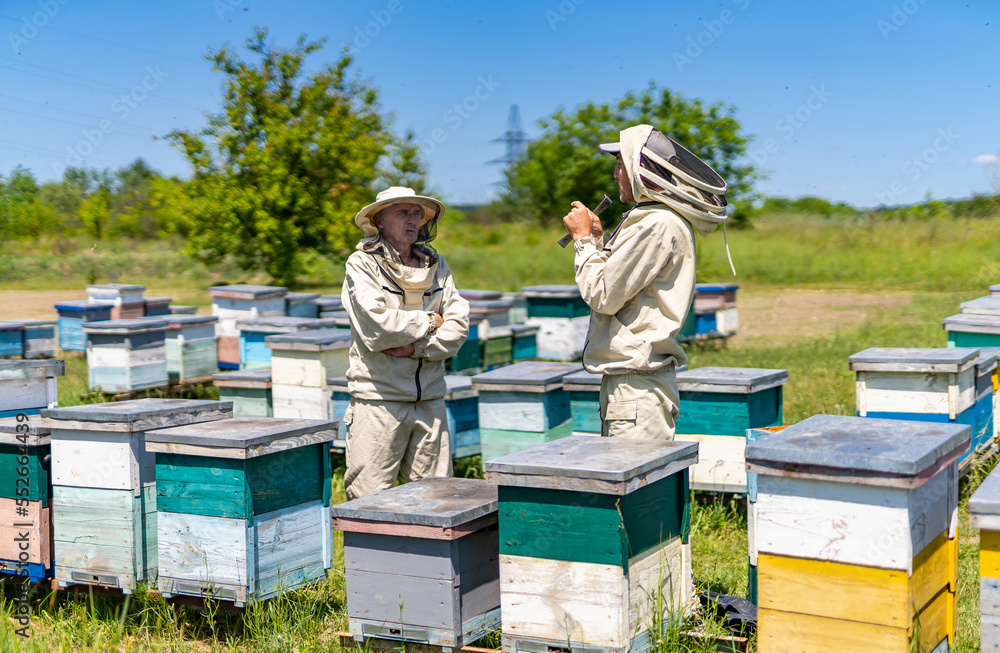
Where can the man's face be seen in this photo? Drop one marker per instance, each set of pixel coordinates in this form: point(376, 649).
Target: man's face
point(400, 224)
point(624, 188)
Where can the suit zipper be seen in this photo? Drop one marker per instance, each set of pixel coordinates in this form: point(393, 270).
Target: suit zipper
point(420, 363)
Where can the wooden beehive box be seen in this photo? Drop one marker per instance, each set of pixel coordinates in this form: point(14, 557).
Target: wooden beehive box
point(190, 347)
point(300, 365)
point(470, 355)
point(856, 534)
point(522, 405)
point(127, 299)
point(11, 339)
point(244, 506)
point(302, 304)
point(421, 562)
point(104, 486)
point(241, 302)
point(249, 390)
point(584, 391)
point(593, 542)
point(715, 296)
point(156, 306)
point(127, 355)
point(562, 317)
point(462, 404)
point(498, 348)
point(988, 306)
point(340, 398)
point(519, 306)
point(984, 515)
point(176, 309)
point(983, 425)
point(73, 315)
point(25, 498)
point(973, 330)
point(496, 315)
point(525, 342)
point(929, 385)
point(253, 332)
point(28, 386)
point(39, 338)
point(718, 405)
point(329, 303)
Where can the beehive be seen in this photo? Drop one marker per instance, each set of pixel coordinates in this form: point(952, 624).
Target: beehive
point(498, 349)
point(73, 315)
point(249, 390)
point(856, 534)
point(329, 303)
point(593, 542)
point(25, 498)
point(126, 298)
point(243, 506)
point(973, 330)
point(462, 404)
point(28, 386)
point(715, 309)
point(156, 306)
point(984, 515)
point(104, 487)
point(469, 357)
point(11, 339)
point(241, 302)
point(718, 405)
point(127, 355)
point(983, 423)
point(995, 290)
point(519, 306)
point(301, 363)
point(496, 315)
point(421, 562)
point(928, 385)
point(302, 304)
point(190, 347)
point(183, 310)
point(253, 334)
point(522, 405)
point(39, 338)
point(988, 306)
point(562, 317)
point(584, 391)
point(525, 342)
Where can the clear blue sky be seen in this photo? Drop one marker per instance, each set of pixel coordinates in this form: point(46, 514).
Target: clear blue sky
point(860, 101)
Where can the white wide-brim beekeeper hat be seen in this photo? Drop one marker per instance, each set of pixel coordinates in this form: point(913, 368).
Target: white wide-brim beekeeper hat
point(433, 209)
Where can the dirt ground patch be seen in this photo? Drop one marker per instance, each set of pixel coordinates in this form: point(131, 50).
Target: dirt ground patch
point(38, 304)
point(787, 315)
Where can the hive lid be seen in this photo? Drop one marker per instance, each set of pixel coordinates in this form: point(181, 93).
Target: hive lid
point(253, 375)
point(135, 325)
point(551, 291)
point(80, 305)
point(857, 447)
point(459, 387)
point(177, 309)
point(8, 325)
point(986, 500)
point(241, 437)
point(179, 321)
point(479, 295)
point(593, 464)
point(301, 297)
point(136, 414)
point(36, 435)
point(31, 369)
point(927, 360)
point(247, 291)
point(583, 377)
point(536, 374)
point(989, 305)
point(311, 340)
point(157, 300)
point(716, 287)
point(495, 305)
point(972, 323)
point(739, 380)
point(116, 287)
point(283, 324)
point(34, 324)
point(435, 501)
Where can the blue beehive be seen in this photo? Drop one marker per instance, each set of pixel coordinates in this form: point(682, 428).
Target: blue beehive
point(301, 304)
point(72, 315)
point(28, 386)
point(253, 348)
point(39, 338)
point(11, 339)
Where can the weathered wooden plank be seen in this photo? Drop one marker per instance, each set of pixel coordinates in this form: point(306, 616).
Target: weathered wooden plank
point(298, 402)
point(289, 547)
point(400, 556)
point(203, 549)
point(434, 501)
point(497, 444)
point(413, 601)
point(897, 392)
point(16, 394)
point(729, 413)
point(26, 528)
point(560, 338)
point(36, 484)
point(523, 411)
point(730, 380)
point(308, 369)
point(721, 465)
point(135, 415)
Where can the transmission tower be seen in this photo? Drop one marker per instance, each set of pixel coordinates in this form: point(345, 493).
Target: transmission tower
point(514, 139)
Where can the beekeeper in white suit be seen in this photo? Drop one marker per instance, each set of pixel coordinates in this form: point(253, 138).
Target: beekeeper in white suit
point(406, 319)
point(640, 283)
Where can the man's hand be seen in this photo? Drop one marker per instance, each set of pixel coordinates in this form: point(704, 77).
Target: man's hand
point(438, 320)
point(399, 352)
point(582, 222)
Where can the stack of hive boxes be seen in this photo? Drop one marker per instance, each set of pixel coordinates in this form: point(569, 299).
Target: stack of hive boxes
point(329, 304)
point(191, 348)
point(978, 325)
point(249, 390)
point(469, 358)
point(301, 304)
point(715, 309)
point(522, 405)
point(984, 515)
point(462, 404)
point(254, 332)
point(25, 498)
point(927, 385)
point(718, 405)
point(73, 315)
point(29, 386)
point(421, 562)
point(584, 391)
point(241, 302)
point(104, 487)
point(127, 355)
point(156, 306)
point(594, 550)
point(11, 339)
point(301, 363)
point(855, 528)
point(39, 338)
point(562, 317)
point(126, 299)
point(244, 506)
point(495, 329)
point(525, 342)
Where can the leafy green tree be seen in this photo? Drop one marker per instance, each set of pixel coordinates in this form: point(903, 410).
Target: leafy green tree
point(23, 214)
point(95, 215)
point(564, 164)
point(280, 173)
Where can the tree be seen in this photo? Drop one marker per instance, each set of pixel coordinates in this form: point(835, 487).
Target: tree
point(23, 214)
point(564, 164)
point(280, 173)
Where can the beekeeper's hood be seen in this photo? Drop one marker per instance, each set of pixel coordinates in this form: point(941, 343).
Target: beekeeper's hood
point(660, 169)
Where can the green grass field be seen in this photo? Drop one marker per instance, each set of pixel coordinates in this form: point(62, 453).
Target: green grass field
point(935, 264)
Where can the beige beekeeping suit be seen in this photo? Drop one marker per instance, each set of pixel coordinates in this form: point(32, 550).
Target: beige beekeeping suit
point(397, 421)
point(639, 286)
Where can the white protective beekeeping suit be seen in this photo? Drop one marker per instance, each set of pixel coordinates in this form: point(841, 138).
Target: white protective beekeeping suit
point(397, 420)
point(640, 283)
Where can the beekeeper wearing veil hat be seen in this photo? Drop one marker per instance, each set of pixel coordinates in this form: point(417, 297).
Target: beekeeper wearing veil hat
point(639, 283)
point(406, 319)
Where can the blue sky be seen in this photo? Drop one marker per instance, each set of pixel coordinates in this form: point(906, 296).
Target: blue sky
point(878, 101)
